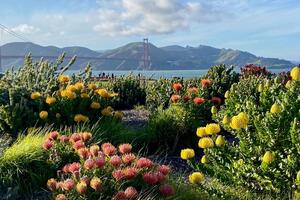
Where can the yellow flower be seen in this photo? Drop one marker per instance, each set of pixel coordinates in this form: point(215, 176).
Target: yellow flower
point(71, 88)
point(68, 94)
point(63, 78)
point(298, 176)
point(119, 115)
point(220, 141)
point(110, 108)
point(186, 154)
point(212, 128)
point(196, 178)
point(204, 159)
point(79, 86)
point(201, 132)
point(260, 87)
point(295, 73)
point(227, 94)
point(43, 114)
point(106, 112)
point(113, 94)
point(214, 110)
point(35, 95)
point(288, 84)
point(206, 142)
point(50, 100)
point(226, 120)
point(103, 93)
point(95, 105)
point(276, 108)
point(80, 118)
point(239, 121)
point(268, 157)
point(92, 86)
point(84, 95)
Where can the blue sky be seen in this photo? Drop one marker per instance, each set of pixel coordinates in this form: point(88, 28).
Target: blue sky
point(269, 28)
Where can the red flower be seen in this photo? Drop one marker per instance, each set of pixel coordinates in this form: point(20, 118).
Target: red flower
point(128, 158)
point(144, 163)
point(193, 90)
point(125, 148)
point(187, 98)
point(177, 86)
point(115, 161)
point(68, 184)
point(74, 167)
point(160, 177)
point(131, 193)
point(130, 172)
point(118, 174)
point(75, 137)
point(99, 162)
point(198, 100)
point(175, 98)
point(120, 196)
point(78, 145)
point(205, 83)
point(150, 178)
point(65, 169)
point(216, 100)
point(166, 190)
point(53, 135)
point(48, 144)
point(164, 169)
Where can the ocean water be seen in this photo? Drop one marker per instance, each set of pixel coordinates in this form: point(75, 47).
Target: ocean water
point(164, 73)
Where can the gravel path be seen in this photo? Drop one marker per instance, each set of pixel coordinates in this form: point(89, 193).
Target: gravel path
point(136, 119)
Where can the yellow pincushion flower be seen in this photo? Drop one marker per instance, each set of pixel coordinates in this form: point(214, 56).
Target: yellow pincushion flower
point(288, 84)
point(106, 112)
point(227, 94)
point(212, 128)
point(113, 94)
point(239, 121)
point(71, 88)
point(84, 95)
point(220, 141)
point(119, 115)
point(63, 78)
point(201, 132)
point(244, 117)
point(295, 73)
point(43, 114)
point(206, 142)
point(68, 94)
point(196, 178)
point(268, 157)
point(35, 95)
point(204, 159)
point(275, 109)
point(79, 86)
point(226, 120)
point(95, 105)
point(92, 86)
point(213, 110)
point(80, 118)
point(103, 93)
point(186, 154)
point(50, 100)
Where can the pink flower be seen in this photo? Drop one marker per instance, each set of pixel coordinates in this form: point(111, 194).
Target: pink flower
point(115, 161)
point(89, 164)
point(131, 193)
point(150, 178)
point(64, 139)
point(144, 163)
point(108, 149)
point(130, 172)
point(94, 149)
point(118, 174)
point(48, 144)
point(166, 190)
point(74, 167)
point(53, 135)
point(86, 136)
point(125, 148)
point(120, 196)
point(128, 158)
point(78, 145)
point(99, 162)
point(83, 153)
point(86, 180)
point(65, 169)
point(68, 184)
point(75, 137)
point(164, 169)
point(60, 197)
point(160, 177)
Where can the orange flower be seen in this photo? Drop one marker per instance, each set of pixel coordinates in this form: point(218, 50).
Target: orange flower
point(192, 90)
point(205, 83)
point(175, 98)
point(177, 86)
point(198, 100)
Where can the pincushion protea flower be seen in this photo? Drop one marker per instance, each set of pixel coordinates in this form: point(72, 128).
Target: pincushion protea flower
point(175, 98)
point(89, 164)
point(61, 197)
point(131, 193)
point(96, 183)
point(47, 144)
point(198, 100)
point(52, 184)
point(125, 148)
point(150, 178)
point(81, 187)
point(115, 161)
point(166, 190)
point(144, 163)
point(205, 83)
point(177, 86)
point(128, 158)
point(164, 169)
point(196, 178)
point(99, 162)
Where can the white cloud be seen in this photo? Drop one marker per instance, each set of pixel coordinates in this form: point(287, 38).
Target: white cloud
point(138, 17)
point(25, 29)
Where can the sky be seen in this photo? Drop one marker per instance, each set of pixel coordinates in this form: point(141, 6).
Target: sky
point(269, 28)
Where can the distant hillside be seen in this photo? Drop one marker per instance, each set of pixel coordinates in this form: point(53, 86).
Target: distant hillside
point(165, 58)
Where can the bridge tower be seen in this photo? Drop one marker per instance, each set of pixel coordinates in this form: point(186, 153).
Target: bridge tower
point(146, 56)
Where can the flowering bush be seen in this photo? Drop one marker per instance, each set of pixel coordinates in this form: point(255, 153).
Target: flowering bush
point(254, 70)
point(261, 120)
point(103, 171)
